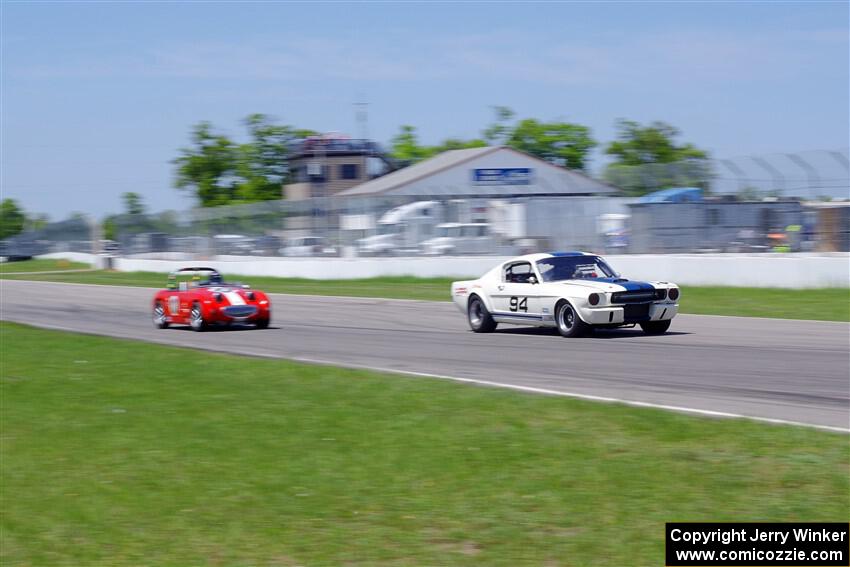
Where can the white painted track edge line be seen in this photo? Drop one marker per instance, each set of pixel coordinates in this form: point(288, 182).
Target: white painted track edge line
point(313, 296)
point(398, 300)
point(47, 273)
point(488, 383)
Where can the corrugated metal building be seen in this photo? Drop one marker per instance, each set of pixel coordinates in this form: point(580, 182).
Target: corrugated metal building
point(492, 172)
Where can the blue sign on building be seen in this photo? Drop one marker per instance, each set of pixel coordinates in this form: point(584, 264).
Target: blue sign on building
point(502, 176)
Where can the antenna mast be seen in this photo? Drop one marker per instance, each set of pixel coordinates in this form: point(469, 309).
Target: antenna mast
point(361, 116)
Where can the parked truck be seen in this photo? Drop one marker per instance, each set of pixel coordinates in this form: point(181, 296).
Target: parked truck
point(401, 230)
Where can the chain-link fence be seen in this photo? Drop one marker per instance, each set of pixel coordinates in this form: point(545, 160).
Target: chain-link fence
point(812, 175)
point(406, 227)
point(748, 204)
point(73, 235)
point(370, 227)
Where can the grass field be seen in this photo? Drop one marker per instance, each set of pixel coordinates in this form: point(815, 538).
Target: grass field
point(40, 266)
point(820, 304)
point(123, 453)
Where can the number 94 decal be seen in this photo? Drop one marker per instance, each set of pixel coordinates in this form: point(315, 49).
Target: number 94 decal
point(519, 304)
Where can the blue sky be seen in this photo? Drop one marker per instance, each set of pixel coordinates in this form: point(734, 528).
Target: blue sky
point(98, 97)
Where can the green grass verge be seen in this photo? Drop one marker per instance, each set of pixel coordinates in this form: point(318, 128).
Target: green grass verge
point(830, 304)
point(124, 453)
point(820, 304)
point(40, 266)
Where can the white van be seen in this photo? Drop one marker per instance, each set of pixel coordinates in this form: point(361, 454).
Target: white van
point(400, 230)
point(460, 238)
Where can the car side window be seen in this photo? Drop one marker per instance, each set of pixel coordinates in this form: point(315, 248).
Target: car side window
point(518, 273)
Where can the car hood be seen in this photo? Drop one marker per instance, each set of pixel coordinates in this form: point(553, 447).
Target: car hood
point(609, 285)
point(232, 295)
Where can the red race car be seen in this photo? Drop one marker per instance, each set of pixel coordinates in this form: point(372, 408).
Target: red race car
point(200, 298)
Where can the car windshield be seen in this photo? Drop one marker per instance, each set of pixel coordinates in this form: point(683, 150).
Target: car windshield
point(195, 278)
point(574, 268)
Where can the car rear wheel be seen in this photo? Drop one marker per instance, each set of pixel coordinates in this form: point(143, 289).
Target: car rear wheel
point(196, 318)
point(656, 327)
point(159, 319)
point(568, 322)
point(479, 318)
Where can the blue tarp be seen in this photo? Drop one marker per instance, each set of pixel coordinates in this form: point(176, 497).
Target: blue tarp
point(674, 195)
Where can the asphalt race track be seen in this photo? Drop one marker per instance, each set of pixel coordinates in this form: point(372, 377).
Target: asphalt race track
point(764, 368)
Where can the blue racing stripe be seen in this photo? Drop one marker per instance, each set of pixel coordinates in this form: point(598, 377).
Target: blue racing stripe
point(520, 315)
point(629, 285)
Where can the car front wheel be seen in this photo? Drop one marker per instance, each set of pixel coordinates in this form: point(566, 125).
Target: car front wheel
point(655, 327)
point(479, 318)
point(196, 318)
point(159, 319)
point(568, 322)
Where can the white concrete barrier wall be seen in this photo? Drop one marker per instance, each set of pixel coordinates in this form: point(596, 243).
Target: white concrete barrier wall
point(740, 270)
point(753, 270)
point(83, 257)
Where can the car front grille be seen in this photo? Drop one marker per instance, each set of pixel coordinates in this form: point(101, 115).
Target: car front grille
point(640, 296)
point(239, 311)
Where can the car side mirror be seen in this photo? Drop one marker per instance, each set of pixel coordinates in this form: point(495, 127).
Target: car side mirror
point(532, 280)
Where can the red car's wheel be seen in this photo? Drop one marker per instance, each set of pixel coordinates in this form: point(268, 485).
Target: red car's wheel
point(159, 319)
point(196, 318)
point(262, 323)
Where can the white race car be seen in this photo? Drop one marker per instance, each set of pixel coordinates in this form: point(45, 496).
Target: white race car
point(572, 291)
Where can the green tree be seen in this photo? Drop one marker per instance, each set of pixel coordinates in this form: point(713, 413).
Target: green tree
point(655, 143)
point(37, 221)
point(222, 172)
point(208, 167)
point(12, 218)
point(110, 228)
point(499, 131)
point(261, 165)
point(406, 148)
point(456, 144)
point(133, 204)
point(561, 143)
point(648, 158)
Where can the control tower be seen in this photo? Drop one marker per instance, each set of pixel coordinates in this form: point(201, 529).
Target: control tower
point(322, 166)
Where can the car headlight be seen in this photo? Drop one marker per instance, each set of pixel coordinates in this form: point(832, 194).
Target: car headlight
point(673, 293)
point(660, 294)
point(593, 298)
